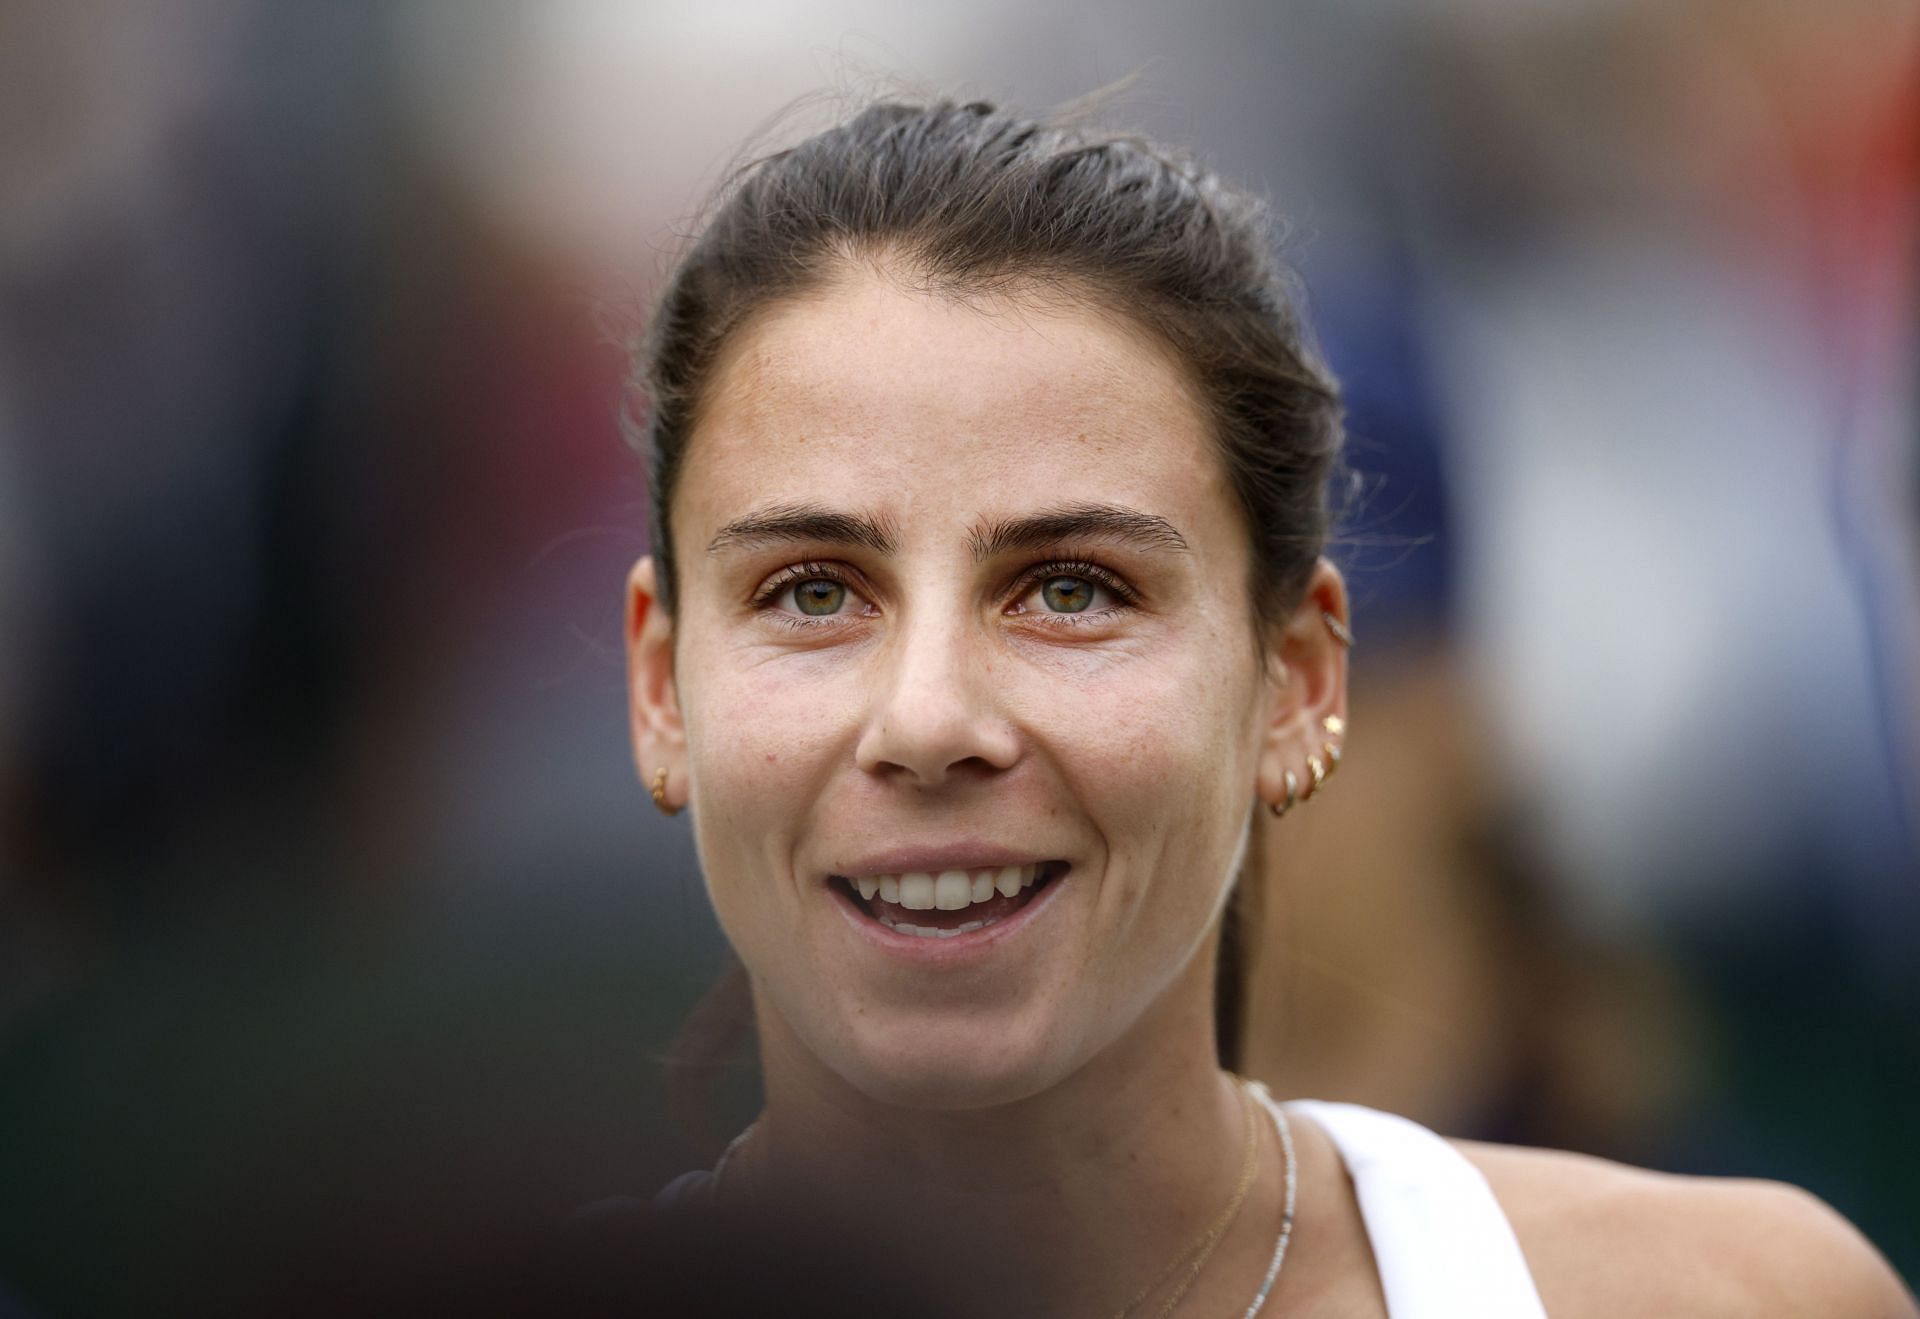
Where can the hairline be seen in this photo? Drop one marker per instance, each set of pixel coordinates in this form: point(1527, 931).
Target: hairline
point(1032, 288)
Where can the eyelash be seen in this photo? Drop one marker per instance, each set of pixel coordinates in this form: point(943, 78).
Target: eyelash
point(774, 587)
point(1124, 594)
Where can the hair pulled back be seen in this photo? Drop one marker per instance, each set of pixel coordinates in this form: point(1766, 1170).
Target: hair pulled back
point(967, 200)
point(974, 200)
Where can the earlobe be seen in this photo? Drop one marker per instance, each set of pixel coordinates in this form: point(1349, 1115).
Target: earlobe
point(653, 699)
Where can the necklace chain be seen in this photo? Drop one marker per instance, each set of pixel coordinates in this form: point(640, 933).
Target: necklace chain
point(1281, 1125)
point(1251, 1093)
point(1201, 1249)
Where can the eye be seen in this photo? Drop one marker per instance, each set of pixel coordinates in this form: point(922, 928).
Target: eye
point(818, 597)
point(803, 593)
point(1063, 590)
point(1067, 595)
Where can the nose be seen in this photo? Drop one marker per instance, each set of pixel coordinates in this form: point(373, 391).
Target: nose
point(934, 716)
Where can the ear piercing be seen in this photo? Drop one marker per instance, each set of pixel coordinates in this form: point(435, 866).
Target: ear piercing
point(1280, 808)
point(659, 791)
point(1320, 768)
point(1335, 725)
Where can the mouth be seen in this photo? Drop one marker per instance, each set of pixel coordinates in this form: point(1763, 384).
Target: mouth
point(949, 904)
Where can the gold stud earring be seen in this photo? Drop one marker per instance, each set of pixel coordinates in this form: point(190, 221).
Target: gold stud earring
point(660, 793)
point(1292, 781)
point(1334, 724)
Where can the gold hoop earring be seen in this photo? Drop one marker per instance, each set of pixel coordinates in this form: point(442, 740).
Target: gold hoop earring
point(1292, 781)
point(660, 793)
point(1319, 774)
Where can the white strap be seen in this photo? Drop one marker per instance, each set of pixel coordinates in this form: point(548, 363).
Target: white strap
point(1444, 1247)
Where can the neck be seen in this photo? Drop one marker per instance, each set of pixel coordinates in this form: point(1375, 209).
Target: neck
point(1062, 1202)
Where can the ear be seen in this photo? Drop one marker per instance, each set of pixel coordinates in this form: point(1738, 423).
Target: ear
point(1307, 685)
point(653, 698)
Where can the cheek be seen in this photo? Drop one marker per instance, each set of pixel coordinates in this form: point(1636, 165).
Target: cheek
point(762, 734)
point(762, 740)
point(1159, 747)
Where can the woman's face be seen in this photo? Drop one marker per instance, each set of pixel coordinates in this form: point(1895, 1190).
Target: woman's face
point(963, 594)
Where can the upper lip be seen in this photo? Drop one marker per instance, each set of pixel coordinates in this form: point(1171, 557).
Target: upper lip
point(933, 860)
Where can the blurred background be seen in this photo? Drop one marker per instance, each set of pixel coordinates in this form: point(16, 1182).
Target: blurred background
point(335, 932)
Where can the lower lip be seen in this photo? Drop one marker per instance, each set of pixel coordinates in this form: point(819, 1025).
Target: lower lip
point(957, 949)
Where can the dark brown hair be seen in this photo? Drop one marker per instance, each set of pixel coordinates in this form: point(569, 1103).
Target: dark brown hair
point(970, 200)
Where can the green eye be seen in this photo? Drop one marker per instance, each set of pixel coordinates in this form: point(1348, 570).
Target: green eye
point(819, 596)
point(1067, 595)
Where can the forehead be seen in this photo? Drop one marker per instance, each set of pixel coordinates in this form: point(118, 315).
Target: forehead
point(874, 396)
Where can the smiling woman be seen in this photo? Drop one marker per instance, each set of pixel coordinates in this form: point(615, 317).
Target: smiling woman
point(929, 670)
point(985, 621)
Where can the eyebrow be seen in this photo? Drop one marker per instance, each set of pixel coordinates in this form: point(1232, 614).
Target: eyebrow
point(805, 522)
point(789, 523)
point(1108, 522)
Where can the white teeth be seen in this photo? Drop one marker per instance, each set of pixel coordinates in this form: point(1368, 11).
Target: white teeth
point(952, 891)
point(916, 891)
point(930, 932)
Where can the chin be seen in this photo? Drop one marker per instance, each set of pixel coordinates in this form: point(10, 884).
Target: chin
point(911, 1062)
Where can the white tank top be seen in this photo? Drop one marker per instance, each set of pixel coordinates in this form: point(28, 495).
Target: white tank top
point(1445, 1249)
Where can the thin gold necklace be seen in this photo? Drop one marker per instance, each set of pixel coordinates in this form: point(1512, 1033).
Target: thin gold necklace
point(1201, 1249)
point(1251, 1093)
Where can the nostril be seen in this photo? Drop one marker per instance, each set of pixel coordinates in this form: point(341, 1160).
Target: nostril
point(970, 769)
point(928, 732)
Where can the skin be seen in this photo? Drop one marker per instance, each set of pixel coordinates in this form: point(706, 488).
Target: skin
point(1050, 1111)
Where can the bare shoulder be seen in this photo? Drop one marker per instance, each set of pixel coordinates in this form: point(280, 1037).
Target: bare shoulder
point(1604, 1238)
